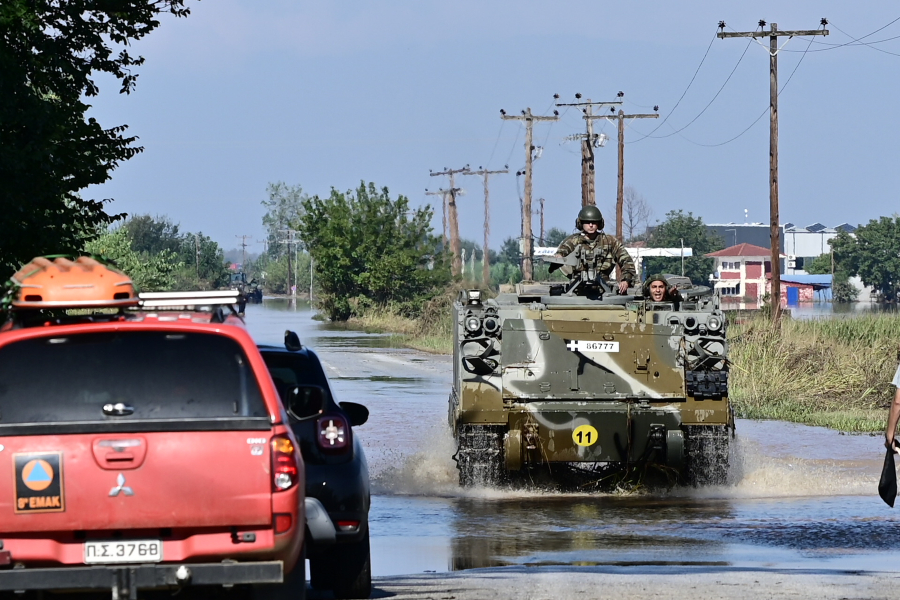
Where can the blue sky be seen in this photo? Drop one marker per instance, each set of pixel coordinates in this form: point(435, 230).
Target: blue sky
point(323, 94)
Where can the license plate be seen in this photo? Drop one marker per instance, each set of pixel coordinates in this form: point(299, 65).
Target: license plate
point(131, 551)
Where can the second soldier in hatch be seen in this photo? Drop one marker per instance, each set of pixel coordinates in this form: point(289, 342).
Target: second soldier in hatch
point(607, 251)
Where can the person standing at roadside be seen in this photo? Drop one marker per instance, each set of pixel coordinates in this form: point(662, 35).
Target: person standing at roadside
point(894, 414)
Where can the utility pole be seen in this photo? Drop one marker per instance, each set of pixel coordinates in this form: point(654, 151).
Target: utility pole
point(244, 245)
point(290, 270)
point(450, 203)
point(620, 190)
point(589, 141)
point(485, 174)
point(527, 269)
point(774, 234)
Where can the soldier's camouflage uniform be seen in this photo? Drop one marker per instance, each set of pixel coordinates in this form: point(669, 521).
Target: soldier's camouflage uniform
point(609, 253)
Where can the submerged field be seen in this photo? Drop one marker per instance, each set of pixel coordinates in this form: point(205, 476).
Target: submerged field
point(834, 373)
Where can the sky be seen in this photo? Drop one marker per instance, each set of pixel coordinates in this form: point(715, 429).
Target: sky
point(328, 94)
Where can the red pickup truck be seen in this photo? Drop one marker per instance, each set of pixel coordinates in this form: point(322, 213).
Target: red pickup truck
point(143, 444)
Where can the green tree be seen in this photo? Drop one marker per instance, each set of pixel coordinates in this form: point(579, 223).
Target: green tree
point(873, 254)
point(371, 250)
point(509, 252)
point(841, 288)
point(820, 265)
point(153, 235)
point(284, 207)
point(149, 273)
point(677, 228)
point(555, 236)
point(50, 53)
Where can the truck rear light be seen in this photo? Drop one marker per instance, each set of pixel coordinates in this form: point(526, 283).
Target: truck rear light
point(333, 432)
point(348, 525)
point(284, 463)
point(283, 522)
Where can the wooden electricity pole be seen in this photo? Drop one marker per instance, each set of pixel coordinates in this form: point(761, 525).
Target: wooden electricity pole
point(774, 226)
point(620, 190)
point(589, 141)
point(292, 249)
point(486, 267)
point(244, 245)
point(453, 217)
point(527, 269)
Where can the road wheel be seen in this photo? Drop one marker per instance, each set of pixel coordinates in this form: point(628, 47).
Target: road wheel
point(346, 570)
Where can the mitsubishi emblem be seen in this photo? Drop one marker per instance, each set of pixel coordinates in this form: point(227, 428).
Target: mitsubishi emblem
point(121, 487)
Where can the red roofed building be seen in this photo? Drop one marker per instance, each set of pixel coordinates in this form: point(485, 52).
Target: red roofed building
point(742, 272)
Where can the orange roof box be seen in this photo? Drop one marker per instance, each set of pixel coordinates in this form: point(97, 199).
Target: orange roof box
point(64, 283)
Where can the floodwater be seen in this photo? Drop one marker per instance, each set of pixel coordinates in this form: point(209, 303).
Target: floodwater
point(800, 497)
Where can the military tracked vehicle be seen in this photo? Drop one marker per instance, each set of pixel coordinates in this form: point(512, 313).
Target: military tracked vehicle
point(563, 378)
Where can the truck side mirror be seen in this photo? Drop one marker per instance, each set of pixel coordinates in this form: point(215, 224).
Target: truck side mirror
point(357, 413)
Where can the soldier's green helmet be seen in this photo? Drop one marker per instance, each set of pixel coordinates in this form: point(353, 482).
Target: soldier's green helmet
point(589, 213)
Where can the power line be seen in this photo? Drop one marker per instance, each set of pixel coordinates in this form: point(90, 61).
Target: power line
point(690, 83)
point(755, 121)
point(700, 114)
point(853, 42)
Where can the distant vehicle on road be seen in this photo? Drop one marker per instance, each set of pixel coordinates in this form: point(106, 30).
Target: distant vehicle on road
point(142, 445)
point(251, 291)
point(337, 476)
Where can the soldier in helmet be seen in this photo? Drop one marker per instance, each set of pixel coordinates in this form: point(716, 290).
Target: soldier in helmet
point(591, 240)
point(657, 289)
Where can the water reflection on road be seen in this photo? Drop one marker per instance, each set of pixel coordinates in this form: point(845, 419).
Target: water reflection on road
point(801, 497)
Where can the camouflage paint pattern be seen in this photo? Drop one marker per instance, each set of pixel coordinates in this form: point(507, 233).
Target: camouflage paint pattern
point(542, 366)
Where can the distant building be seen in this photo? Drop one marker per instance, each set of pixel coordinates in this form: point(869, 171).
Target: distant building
point(799, 245)
point(741, 273)
point(733, 234)
point(803, 244)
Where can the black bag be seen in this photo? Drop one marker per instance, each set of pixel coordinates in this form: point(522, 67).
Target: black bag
point(887, 487)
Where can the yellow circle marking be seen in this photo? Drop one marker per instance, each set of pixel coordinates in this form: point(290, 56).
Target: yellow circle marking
point(585, 435)
point(37, 475)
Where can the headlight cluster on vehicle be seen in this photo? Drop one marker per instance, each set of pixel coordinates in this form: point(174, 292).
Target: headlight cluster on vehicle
point(488, 323)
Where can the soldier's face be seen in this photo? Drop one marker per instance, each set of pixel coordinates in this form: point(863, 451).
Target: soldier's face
point(657, 291)
point(589, 227)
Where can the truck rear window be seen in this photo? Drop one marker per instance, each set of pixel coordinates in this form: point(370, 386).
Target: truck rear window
point(128, 381)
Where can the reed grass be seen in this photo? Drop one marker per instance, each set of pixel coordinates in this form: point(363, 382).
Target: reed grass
point(834, 373)
point(431, 331)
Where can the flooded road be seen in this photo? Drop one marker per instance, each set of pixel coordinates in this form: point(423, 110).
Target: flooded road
point(800, 498)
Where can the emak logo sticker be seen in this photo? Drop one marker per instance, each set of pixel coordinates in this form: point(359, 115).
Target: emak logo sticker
point(39, 482)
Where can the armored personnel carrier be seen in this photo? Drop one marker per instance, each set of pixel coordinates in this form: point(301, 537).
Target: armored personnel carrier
point(563, 378)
